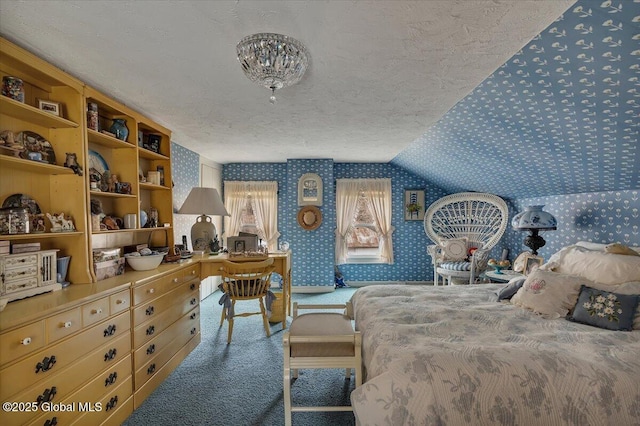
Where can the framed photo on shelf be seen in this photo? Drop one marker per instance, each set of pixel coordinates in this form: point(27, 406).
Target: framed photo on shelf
point(414, 204)
point(49, 106)
point(531, 263)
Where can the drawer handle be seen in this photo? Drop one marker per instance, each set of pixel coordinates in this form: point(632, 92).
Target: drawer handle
point(194, 301)
point(175, 280)
point(110, 355)
point(46, 364)
point(109, 331)
point(26, 341)
point(192, 286)
point(47, 395)
point(121, 301)
point(150, 310)
point(111, 379)
point(193, 272)
point(194, 330)
point(151, 369)
point(151, 349)
point(52, 422)
point(97, 311)
point(67, 324)
point(150, 330)
point(151, 290)
point(112, 403)
point(193, 316)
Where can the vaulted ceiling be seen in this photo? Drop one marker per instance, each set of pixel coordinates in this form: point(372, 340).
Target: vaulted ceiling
point(519, 98)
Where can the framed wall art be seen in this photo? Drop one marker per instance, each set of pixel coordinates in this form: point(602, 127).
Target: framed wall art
point(310, 190)
point(414, 204)
point(531, 263)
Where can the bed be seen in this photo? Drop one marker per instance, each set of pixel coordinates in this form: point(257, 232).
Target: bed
point(455, 355)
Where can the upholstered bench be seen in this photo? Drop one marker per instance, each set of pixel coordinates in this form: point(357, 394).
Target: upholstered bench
point(319, 340)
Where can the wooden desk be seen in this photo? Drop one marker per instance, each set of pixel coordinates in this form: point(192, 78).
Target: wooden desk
point(210, 266)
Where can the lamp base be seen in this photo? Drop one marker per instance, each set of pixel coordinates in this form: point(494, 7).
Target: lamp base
point(534, 241)
point(203, 232)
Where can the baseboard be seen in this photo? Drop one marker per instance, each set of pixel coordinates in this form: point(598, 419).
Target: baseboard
point(312, 289)
point(366, 283)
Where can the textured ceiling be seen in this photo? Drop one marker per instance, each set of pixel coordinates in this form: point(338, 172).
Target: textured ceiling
point(560, 117)
point(381, 74)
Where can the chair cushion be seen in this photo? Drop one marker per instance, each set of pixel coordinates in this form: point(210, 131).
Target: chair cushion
point(321, 324)
point(456, 266)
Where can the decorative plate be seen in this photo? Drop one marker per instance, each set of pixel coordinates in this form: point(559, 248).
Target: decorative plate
point(310, 218)
point(454, 249)
point(22, 200)
point(97, 162)
point(36, 147)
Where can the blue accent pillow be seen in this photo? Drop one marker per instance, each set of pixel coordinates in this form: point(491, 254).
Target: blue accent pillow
point(605, 309)
point(507, 292)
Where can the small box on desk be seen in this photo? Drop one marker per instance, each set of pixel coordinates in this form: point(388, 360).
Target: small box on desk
point(24, 248)
point(109, 268)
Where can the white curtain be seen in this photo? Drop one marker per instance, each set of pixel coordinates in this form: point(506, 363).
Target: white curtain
point(378, 192)
point(264, 202)
point(347, 193)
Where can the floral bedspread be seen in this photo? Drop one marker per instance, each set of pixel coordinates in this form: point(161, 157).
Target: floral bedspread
point(454, 356)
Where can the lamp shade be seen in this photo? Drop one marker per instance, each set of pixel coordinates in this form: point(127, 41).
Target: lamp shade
point(533, 217)
point(203, 201)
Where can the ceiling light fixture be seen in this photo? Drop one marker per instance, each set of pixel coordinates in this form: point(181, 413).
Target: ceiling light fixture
point(272, 60)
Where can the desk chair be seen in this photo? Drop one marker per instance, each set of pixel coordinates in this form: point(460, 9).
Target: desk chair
point(319, 340)
point(245, 281)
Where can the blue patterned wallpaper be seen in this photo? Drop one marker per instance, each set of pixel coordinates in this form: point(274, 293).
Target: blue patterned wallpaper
point(562, 116)
point(185, 168)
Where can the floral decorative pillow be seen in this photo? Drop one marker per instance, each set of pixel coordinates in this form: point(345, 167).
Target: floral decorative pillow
point(548, 293)
point(605, 309)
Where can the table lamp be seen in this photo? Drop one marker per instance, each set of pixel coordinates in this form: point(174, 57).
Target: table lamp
point(534, 220)
point(203, 201)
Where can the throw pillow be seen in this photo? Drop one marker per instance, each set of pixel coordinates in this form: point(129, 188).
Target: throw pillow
point(605, 268)
point(454, 249)
point(605, 309)
point(631, 288)
point(507, 292)
point(549, 294)
point(617, 248)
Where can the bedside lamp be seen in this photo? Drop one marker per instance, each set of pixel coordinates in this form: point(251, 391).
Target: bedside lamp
point(203, 201)
point(534, 220)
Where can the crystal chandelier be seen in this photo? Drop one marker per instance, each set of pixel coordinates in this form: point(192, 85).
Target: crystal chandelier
point(272, 60)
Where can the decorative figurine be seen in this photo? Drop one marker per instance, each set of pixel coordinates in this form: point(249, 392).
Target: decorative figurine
point(59, 223)
point(113, 183)
point(72, 163)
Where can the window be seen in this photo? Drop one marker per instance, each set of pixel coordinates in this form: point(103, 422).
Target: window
point(363, 208)
point(253, 208)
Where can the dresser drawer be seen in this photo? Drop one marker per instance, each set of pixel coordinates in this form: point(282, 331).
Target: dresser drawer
point(153, 307)
point(182, 332)
point(120, 301)
point(20, 261)
point(95, 311)
point(147, 351)
point(63, 324)
point(61, 386)
point(156, 288)
point(12, 286)
point(47, 362)
point(191, 272)
point(148, 330)
point(21, 341)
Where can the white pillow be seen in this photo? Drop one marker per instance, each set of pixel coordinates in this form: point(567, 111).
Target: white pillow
point(550, 294)
point(605, 268)
point(454, 249)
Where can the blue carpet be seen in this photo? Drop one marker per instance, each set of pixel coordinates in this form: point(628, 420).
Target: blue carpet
point(241, 383)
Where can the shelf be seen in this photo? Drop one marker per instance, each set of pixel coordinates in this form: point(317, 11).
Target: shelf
point(40, 235)
point(117, 231)
point(153, 187)
point(33, 115)
point(33, 166)
point(150, 155)
point(110, 194)
point(106, 140)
